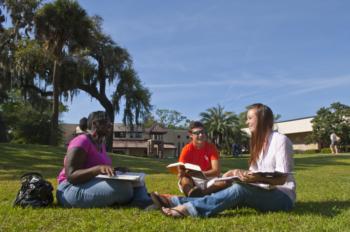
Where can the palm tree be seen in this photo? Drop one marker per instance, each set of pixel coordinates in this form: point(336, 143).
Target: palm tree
point(63, 27)
point(222, 126)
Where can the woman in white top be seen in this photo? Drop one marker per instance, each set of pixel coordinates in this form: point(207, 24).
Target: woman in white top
point(271, 152)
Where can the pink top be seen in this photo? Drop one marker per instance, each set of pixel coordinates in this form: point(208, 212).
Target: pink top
point(94, 157)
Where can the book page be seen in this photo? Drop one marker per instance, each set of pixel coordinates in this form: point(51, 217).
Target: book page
point(226, 178)
point(128, 176)
point(173, 168)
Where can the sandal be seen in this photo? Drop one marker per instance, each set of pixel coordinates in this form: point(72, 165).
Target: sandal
point(160, 201)
point(175, 213)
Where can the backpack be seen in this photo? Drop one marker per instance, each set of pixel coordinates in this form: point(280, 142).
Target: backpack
point(35, 191)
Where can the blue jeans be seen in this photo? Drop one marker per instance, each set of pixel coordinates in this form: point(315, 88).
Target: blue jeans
point(101, 193)
point(237, 195)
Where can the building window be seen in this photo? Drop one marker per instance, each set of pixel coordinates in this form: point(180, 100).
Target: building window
point(119, 134)
point(138, 135)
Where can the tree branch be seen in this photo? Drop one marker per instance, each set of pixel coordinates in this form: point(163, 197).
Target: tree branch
point(38, 90)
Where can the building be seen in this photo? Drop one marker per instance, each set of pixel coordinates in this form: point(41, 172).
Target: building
point(157, 141)
point(154, 141)
point(297, 130)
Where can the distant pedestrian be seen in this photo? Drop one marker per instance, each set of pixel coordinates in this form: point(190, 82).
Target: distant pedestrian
point(334, 143)
point(81, 129)
point(236, 150)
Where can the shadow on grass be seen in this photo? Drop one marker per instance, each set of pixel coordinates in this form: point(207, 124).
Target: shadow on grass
point(17, 159)
point(322, 208)
point(315, 208)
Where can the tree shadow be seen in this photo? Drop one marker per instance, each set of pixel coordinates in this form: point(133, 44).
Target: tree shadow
point(324, 208)
point(17, 159)
point(320, 208)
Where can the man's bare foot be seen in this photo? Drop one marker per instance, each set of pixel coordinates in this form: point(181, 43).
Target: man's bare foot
point(179, 211)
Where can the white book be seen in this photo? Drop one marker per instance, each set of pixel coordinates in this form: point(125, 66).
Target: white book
point(264, 186)
point(236, 179)
point(217, 179)
point(191, 169)
point(137, 178)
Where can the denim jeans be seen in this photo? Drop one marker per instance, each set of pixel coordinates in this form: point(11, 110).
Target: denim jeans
point(237, 195)
point(100, 193)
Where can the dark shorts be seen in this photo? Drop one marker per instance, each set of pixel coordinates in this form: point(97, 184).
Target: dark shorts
point(333, 143)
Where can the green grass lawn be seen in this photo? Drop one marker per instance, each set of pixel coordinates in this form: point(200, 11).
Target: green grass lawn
point(323, 197)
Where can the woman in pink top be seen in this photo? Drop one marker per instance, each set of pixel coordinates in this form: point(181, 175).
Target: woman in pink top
point(85, 159)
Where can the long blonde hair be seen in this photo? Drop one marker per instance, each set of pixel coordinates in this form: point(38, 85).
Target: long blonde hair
point(263, 128)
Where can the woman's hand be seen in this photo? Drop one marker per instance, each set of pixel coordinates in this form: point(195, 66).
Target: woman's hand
point(243, 175)
point(249, 177)
point(235, 172)
point(104, 169)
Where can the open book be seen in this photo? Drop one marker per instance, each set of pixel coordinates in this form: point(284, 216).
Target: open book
point(191, 169)
point(236, 179)
point(137, 178)
point(271, 174)
point(217, 179)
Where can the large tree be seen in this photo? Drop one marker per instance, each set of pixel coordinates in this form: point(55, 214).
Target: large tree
point(335, 118)
point(106, 73)
point(20, 23)
point(20, 15)
point(71, 53)
point(63, 27)
point(19, 18)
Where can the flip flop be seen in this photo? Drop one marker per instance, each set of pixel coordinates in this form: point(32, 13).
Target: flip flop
point(175, 213)
point(160, 201)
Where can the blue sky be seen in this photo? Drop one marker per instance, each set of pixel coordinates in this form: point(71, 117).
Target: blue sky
point(192, 55)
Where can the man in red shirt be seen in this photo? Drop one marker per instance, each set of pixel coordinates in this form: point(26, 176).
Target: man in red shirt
point(201, 153)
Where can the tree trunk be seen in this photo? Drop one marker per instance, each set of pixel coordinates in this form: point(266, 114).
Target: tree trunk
point(110, 112)
point(3, 131)
point(55, 98)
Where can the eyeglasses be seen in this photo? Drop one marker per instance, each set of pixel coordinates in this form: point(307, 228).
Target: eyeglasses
point(198, 132)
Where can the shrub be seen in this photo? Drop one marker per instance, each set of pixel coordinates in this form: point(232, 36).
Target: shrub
point(326, 150)
point(312, 151)
point(25, 122)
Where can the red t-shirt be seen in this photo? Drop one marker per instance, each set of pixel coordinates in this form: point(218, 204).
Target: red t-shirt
point(202, 156)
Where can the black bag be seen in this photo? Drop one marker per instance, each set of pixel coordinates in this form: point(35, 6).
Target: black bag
point(35, 191)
